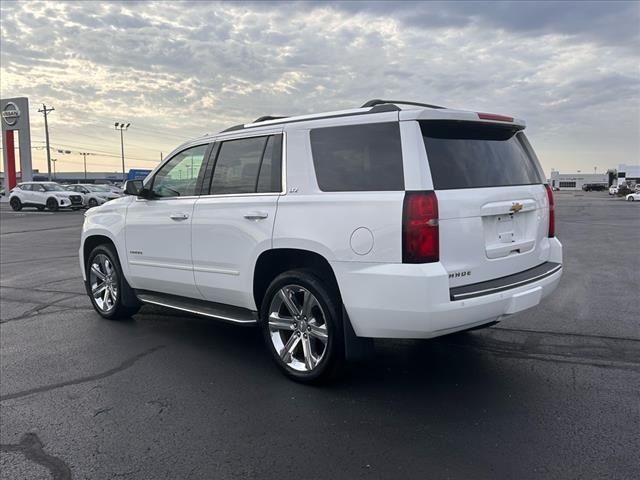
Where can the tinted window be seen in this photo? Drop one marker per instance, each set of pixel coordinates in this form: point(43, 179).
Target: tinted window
point(472, 155)
point(358, 157)
point(270, 176)
point(248, 165)
point(179, 176)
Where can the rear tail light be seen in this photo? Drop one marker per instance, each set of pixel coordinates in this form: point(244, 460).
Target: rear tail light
point(552, 212)
point(420, 232)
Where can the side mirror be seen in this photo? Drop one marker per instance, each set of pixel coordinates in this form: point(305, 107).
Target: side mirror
point(133, 187)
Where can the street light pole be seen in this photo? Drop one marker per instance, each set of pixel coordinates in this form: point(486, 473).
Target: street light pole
point(122, 127)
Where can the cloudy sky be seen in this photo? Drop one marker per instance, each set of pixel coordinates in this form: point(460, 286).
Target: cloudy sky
point(178, 70)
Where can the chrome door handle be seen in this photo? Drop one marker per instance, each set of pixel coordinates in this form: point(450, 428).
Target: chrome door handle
point(178, 216)
point(256, 215)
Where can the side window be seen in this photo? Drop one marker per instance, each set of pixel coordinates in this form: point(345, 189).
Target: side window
point(270, 176)
point(358, 157)
point(248, 165)
point(179, 176)
point(26, 188)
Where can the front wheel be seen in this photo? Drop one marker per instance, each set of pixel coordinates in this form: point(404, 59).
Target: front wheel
point(302, 326)
point(110, 293)
point(93, 203)
point(16, 204)
point(52, 204)
point(631, 199)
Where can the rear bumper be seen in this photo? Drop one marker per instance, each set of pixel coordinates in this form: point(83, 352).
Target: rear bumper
point(414, 301)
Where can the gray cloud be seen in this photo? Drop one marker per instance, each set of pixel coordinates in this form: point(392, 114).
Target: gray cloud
point(184, 68)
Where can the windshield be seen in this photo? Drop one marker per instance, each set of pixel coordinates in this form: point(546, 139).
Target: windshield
point(53, 187)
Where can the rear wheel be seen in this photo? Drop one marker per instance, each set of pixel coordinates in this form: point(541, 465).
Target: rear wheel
point(110, 293)
point(16, 204)
point(52, 204)
point(302, 326)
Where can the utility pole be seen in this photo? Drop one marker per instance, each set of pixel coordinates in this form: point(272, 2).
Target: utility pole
point(84, 156)
point(122, 127)
point(44, 110)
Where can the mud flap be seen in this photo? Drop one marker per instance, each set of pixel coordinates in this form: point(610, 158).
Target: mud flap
point(356, 348)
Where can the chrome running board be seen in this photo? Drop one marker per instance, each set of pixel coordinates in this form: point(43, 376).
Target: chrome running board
point(219, 311)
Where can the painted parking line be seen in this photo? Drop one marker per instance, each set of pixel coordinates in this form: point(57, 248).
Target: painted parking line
point(28, 213)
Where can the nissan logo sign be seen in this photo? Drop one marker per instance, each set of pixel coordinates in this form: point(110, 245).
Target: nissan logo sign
point(10, 114)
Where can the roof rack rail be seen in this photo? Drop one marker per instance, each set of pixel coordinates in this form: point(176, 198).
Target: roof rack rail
point(377, 101)
point(240, 126)
point(379, 108)
point(264, 118)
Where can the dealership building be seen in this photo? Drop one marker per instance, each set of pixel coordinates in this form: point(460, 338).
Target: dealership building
point(629, 174)
point(575, 181)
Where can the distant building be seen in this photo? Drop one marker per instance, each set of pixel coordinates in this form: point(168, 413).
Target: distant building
point(91, 177)
point(575, 181)
point(629, 174)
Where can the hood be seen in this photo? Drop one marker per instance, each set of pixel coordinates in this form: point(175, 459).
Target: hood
point(64, 194)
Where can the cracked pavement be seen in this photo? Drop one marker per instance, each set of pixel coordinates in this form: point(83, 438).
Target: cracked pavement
point(551, 393)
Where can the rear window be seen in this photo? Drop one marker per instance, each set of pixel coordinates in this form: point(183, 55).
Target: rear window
point(475, 155)
point(358, 157)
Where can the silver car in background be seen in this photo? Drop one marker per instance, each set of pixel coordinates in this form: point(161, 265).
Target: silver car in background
point(94, 195)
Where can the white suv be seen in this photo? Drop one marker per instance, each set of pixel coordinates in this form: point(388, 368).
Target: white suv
point(41, 195)
point(331, 229)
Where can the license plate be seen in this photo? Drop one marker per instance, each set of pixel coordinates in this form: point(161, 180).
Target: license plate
point(505, 229)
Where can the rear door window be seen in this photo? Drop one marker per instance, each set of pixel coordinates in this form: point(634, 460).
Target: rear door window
point(476, 155)
point(248, 165)
point(358, 157)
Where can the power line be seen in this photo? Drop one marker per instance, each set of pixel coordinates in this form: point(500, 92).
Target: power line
point(101, 153)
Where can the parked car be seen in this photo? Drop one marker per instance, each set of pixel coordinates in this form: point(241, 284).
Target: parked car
point(43, 195)
point(94, 195)
point(393, 220)
point(613, 190)
point(594, 187)
point(633, 197)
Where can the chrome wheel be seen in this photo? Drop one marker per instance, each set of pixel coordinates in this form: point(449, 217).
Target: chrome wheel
point(298, 328)
point(104, 282)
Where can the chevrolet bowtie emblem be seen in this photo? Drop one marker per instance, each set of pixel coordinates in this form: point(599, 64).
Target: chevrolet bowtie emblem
point(516, 207)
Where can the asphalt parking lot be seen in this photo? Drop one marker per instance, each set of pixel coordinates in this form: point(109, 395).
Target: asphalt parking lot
point(551, 393)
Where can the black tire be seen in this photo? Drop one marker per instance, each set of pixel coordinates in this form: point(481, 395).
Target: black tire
point(16, 204)
point(631, 199)
point(126, 303)
point(92, 203)
point(328, 307)
point(40, 209)
point(52, 204)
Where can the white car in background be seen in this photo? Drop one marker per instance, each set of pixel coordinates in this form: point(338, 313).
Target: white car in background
point(41, 195)
point(633, 197)
point(94, 195)
point(613, 189)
